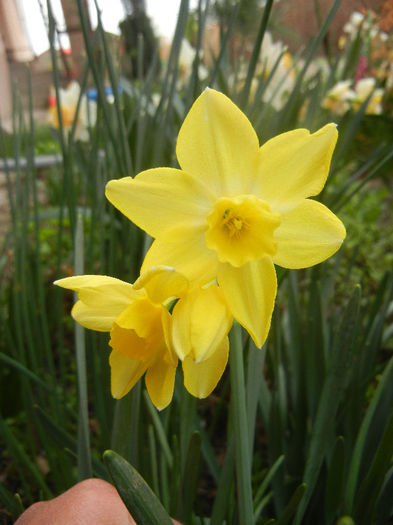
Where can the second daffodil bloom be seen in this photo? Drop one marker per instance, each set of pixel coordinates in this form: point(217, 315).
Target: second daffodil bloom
point(236, 209)
point(146, 338)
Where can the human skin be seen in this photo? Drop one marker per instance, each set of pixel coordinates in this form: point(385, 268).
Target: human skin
point(90, 501)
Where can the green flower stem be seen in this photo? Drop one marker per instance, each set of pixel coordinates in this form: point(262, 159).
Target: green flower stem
point(242, 453)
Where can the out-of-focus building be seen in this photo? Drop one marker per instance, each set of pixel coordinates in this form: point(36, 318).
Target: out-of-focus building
point(14, 46)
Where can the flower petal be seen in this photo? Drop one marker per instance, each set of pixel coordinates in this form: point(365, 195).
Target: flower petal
point(162, 283)
point(218, 144)
point(101, 299)
point(184, 251)
point(294, 165)
point(308, 234)
point(250, 292)
point(200, 321)
point(201, 378)
point(157, 199)
point(160, 382)
point(125, 373)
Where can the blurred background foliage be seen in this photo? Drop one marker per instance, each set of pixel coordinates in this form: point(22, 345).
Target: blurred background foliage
point(320, 392)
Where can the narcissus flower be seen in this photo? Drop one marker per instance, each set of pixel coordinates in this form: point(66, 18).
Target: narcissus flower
point(338, 98)
point(69, 97)
point(235, 209)
point(146, 338)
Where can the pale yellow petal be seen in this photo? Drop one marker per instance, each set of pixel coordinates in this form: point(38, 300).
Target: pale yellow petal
point(218, 144)
point(186, 252)
point(250, 292)
point(162, 283)
point(101, 299)
point(157, 199)
point(200, 321)
point(160, 382)
point(308, 234)
point(201, 378)
point(166, 320)
point(125, 373)
point(294, 165)
point(99, 318)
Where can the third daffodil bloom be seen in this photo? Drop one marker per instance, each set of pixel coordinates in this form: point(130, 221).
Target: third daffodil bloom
point(235, 209)
point(146, 338)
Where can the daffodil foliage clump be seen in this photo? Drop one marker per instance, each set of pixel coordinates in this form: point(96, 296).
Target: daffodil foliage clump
point(220, 224)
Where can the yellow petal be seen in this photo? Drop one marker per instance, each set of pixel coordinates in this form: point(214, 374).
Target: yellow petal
point(125, 373)
point(200, 321)
point(129, 344)
point(137, 333)
point(184, 251)
point(166, 320)
point(218, 144)
point(159, 198)
point(162, 283)
point(250, 292)
point(101, 299)
point(294, 165)
point(201, 378)
point(308, 234)
point(160, 382)
point(100, 318)
point(143, 316)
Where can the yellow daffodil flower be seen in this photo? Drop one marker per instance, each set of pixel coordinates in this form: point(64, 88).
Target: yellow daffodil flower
point(146, 338)
point(235, 209)
point(69, 97)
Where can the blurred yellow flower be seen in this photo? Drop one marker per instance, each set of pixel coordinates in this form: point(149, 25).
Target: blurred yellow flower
point(146, 338)
point(235, 209)
point(69, 97)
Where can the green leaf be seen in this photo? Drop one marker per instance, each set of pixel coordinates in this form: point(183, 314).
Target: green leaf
point(335, 480)
point(140, 500)
point(190, 477)
point(342, 357)
point(359, 449)
point(64, 440)
point(292, 506)
point(371, 486)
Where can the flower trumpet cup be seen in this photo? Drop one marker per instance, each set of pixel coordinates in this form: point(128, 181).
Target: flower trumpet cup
point(235, 208)
point(147, 339)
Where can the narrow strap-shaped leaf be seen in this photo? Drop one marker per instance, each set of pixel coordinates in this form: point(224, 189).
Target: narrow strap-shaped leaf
point(84, 457)
point(64, 440)
point(358, 452)
point(160, 430)
point(335, 480)
point(292, 506)
point(240, 426)
point(371, 486)
point(340, 367)
point(190, 477)
point(140, 500)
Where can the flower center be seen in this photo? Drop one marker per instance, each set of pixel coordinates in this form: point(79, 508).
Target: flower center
point(241, 229)
point(233, 223)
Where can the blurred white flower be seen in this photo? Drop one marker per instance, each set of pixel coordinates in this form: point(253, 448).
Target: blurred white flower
point(341, 97)
point(363, 89)
point(337, 99)
point(186, 59)
point(275, 62)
